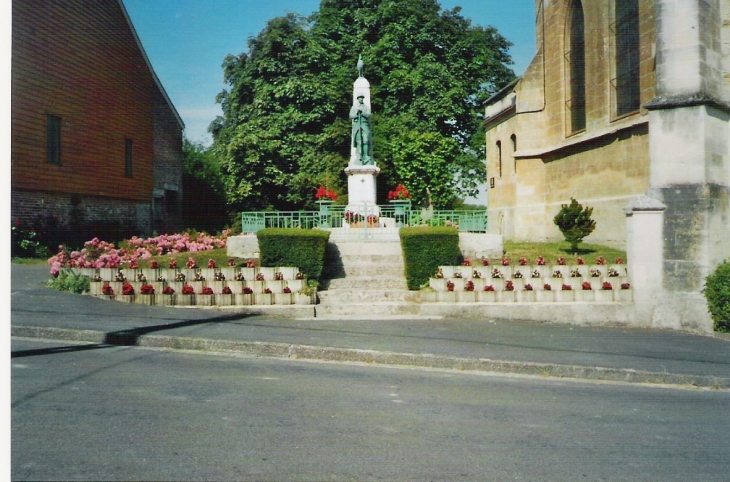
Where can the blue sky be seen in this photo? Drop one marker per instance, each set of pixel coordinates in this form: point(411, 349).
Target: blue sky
point(187, 40)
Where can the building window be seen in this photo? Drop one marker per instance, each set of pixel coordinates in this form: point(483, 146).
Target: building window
point(575, 61)
point(625, 85)
point(513, 138)
point(53, 139)
point(128, 159)
point(499, 157)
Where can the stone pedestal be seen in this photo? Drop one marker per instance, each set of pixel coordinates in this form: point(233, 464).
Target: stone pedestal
point(361, 188)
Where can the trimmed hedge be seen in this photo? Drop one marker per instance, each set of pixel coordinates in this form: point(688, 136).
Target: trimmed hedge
point(427, 248)
point(301, 248)
point(717, 292)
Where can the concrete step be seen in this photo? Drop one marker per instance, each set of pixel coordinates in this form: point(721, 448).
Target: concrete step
point(363, 249)
point(340, 296)
point(367, 283)
point(367, 311)
point(383, 271)
point(364, 259)
point(370, 236)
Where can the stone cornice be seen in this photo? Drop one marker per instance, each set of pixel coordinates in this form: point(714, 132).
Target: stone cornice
point(686, 100)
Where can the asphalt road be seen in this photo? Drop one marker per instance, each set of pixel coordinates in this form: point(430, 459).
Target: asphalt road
point(130, 413)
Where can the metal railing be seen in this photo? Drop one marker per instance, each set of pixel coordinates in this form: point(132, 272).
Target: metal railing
point(367, 216)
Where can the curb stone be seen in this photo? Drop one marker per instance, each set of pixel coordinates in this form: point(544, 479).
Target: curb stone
point(343, 355)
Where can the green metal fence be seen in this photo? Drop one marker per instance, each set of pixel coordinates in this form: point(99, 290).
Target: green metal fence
point(391, 215)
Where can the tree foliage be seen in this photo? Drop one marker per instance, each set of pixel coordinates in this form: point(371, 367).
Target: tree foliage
point(575, 222)
point(204, 199)
point(285, 129)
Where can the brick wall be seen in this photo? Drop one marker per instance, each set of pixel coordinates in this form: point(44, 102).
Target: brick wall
point(80, 61)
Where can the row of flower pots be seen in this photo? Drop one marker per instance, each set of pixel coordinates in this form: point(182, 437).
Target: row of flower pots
point(239, 299)
point(529, 284)
point(197, 287)
point(192, 274)
point(534, 271)
point(526, 296)
point(534, 284)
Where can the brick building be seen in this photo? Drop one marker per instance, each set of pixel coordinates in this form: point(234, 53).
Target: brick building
point(624, 98)
point(95, 138)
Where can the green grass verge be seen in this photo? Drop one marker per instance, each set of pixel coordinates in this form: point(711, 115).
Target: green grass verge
point(552, 251)
point(30, 261)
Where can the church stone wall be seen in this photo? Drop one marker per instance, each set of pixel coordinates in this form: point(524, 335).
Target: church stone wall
point(602, 166)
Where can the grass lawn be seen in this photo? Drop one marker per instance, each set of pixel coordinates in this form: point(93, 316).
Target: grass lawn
point(220, 256)
point(552, 251)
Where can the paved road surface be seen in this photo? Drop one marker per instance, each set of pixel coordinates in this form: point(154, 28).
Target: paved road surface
point(130, 413)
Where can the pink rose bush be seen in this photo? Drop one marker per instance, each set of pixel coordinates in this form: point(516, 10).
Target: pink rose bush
point(101, 254)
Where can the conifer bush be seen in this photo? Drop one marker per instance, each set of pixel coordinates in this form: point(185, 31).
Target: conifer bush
point(575, 222)
point(717, 293)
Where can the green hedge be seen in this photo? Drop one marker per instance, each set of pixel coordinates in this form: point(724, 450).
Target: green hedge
point(427, 248)
point(717, 292)
point(302, 248)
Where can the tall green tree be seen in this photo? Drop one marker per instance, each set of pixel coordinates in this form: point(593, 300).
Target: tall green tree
point(285, 129)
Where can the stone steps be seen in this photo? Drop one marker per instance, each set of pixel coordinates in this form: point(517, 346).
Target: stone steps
point(339, 249)
point(370, 283)
point(367, 271)
point(367, 311)
point(373, 296)
point(365, 280)
point(365, 259)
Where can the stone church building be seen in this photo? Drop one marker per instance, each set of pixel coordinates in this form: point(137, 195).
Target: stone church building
point(625, 107)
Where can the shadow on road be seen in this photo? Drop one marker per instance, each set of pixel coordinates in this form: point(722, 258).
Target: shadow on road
point(126, 337)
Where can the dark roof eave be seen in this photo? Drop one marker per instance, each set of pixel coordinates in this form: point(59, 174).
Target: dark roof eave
point(501, 93)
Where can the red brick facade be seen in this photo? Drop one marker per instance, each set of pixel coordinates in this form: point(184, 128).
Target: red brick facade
point(81, 62)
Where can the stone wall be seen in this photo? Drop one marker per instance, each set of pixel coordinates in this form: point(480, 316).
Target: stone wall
point(168, 167)
point(603, 166)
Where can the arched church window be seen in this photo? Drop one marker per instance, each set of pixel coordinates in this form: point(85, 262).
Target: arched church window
point(513, 138)
point(625, 85)
point(575, 58)
point(499, 157)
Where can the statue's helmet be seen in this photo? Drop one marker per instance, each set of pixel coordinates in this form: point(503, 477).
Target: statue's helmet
point(360, 96)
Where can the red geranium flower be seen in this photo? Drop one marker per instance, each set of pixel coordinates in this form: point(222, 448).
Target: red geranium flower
point(324, 194)
point(127, 289)
point(400, 193)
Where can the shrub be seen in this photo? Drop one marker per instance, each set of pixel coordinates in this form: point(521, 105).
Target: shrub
point(575, 222)
point(717, 293)
point(427, 248)
point(26, 242)
point(300, 248)
point(67, 280)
